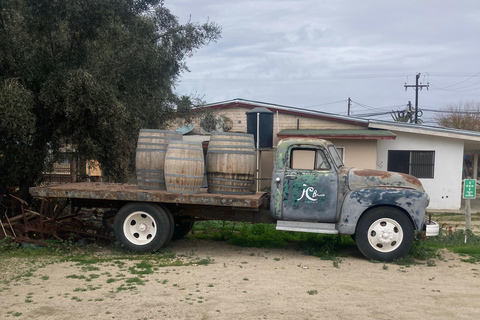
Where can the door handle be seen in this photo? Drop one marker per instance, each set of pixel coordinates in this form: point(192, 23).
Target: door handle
point(291, 175)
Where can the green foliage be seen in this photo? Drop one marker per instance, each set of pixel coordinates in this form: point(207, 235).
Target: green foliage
point(88, 74)
point(16, 118)
point(7, 244)
point(421, 251)
point(17, 123)
point(460, 241)
point(457, 237)
point(142, 268)
point(330, 247)
point(205, 261)
point(327, 247)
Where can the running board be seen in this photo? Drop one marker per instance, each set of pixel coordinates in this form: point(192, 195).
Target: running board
point(313, 227)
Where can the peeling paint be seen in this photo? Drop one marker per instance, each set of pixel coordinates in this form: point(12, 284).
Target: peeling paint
point(310, 196)
point(411, 201)
point(361, 178)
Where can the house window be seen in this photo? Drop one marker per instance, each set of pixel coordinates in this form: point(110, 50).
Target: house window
point(419, 164)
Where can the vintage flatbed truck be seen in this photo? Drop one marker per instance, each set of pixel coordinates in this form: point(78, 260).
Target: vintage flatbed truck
point(311, 191)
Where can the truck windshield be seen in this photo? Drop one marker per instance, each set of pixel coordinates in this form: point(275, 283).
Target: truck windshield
point(336, 157)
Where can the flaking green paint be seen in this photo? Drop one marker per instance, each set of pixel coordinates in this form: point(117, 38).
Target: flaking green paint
point(299, 185)
point(278, 203)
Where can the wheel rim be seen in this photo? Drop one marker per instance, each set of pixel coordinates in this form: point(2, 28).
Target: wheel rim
point(139, 228)
point(385, 235)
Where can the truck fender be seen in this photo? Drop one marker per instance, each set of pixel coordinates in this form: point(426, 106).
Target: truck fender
point(357, 202)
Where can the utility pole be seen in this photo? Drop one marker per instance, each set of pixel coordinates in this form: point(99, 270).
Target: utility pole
point(416, 87)
point(349, 100)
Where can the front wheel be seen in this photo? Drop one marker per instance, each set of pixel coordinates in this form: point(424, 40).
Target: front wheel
point(142, 227)
point(384, 234)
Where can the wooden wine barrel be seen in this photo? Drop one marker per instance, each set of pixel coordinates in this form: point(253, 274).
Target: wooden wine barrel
point(150, 157)
point(184, 167)
point(231, 162)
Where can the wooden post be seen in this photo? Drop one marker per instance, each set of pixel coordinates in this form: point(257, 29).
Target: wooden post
point(73, 168)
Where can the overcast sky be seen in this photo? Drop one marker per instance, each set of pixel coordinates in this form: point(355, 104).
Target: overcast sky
point(315, 54)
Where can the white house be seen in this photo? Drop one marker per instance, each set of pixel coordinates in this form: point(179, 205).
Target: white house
point(434, 155)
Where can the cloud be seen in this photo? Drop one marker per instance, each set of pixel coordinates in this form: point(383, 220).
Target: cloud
point(301, 52)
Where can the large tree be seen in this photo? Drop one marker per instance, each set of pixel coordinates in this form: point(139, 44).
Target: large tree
point(87, 74)
point(462, 115)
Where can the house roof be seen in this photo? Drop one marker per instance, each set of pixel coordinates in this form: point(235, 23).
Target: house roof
point(471, 138)
point(286, 110)
point(364, 134)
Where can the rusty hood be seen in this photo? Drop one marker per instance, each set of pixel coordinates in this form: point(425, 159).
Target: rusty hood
point(365, 178)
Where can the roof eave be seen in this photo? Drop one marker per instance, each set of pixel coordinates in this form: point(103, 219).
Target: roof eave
point(333, 136)
point(421, 129)
point(286, 110)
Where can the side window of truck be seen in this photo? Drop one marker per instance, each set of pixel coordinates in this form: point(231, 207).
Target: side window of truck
point(308, 159)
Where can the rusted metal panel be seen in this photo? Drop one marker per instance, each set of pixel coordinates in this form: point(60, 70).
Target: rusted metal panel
point(411, 201)
point(131, 192)
point(311, 196)
point(226, 214)
point(361, 178)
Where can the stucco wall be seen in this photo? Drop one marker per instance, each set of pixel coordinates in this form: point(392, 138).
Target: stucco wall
point(358, 153)
point(446, 187)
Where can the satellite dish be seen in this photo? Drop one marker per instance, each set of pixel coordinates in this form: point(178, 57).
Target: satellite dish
point(185, 129)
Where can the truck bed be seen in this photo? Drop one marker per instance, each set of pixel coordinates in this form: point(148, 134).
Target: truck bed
point(101, 191)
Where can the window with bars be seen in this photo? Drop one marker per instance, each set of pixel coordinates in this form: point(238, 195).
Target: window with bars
point(420, 164)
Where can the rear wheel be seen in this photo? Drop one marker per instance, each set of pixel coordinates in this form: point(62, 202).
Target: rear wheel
point(143, 227)
point(384, 234)
point(108, 219)
point(182, 228)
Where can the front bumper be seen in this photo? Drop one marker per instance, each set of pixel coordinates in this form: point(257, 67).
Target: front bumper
point(431, 228)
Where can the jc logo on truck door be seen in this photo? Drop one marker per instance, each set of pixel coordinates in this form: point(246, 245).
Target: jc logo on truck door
point(310, 194)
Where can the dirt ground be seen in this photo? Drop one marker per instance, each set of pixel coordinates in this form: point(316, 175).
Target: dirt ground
point(244, 283)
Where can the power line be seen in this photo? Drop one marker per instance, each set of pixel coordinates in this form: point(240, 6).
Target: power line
point(325, 104)
point(449, 111)
point(381, 109)
point(416, 88)
point(461, 89)
point(455, 84)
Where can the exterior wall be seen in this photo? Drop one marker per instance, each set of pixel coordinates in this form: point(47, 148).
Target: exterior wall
point(266, 169)
point(281, 121)
point(358, 153)
point(288, 121)
point(446, 187)
point(237, 115)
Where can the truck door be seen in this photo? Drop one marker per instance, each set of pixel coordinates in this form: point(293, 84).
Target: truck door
point(310, 186)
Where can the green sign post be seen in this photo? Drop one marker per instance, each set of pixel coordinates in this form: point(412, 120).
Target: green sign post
point(469, 188)
point(469, 192)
